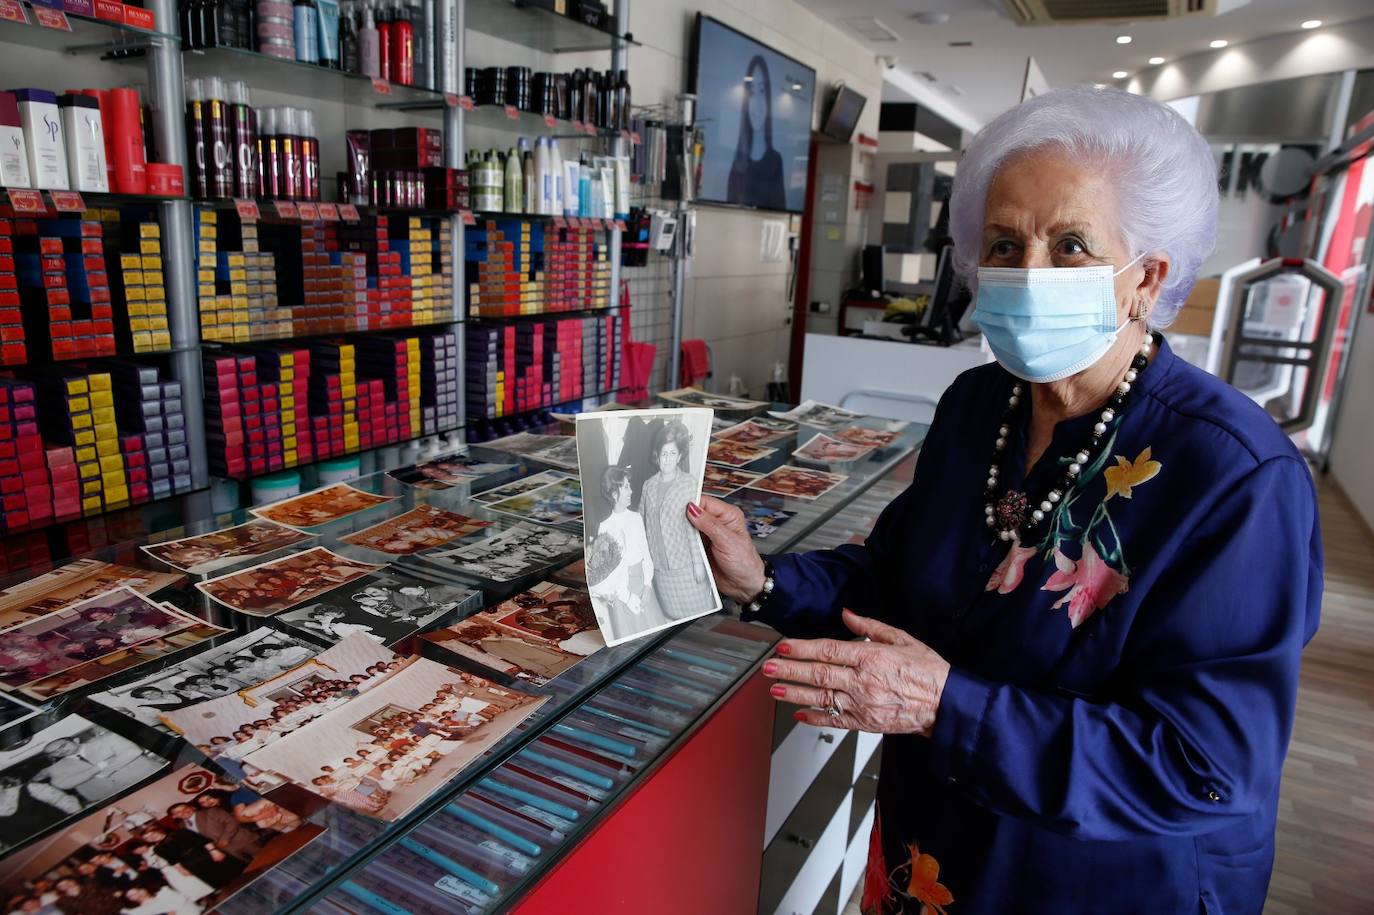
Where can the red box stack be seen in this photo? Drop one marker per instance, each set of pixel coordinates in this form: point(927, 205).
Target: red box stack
point(26, 494)
point(12, 348)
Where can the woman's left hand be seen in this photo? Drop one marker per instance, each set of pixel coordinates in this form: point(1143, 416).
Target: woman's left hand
point(890, 685)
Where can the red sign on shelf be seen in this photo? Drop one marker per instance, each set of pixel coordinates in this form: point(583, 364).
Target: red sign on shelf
point(512, 112)
point(13, 10)
point(286, 209)
point(67, 202)
point(451, 99)
point(247, 209)
point(549, 120)
point(634, 137)
point(620, 224)
point(625, 135)
point(51, 19)
point(469, 219)
point(381, 86)
point(329, 212)
point(578, 126)
point(308, 212)
point(348, 212)
point(559, 222)
point(28, 201)
point(466, 103)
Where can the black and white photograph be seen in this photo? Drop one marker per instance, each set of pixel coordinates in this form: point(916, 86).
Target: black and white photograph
point(818, 415)
point(226, 668)
point(56, 773)
point(724, 403)
point(520, 550)
point(646, 564)
point(385, 607)
point(519, 487)
point(13, 711)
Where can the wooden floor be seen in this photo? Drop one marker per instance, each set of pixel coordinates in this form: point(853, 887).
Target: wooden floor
point(1325, 860)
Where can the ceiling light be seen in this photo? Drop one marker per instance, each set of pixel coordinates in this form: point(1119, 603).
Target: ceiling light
point(931, 18)
point(1099, 85)
point(1123, 39)
point(1120, 74)
point(1312, 24)
point(1219, 43)
point(1156, 61)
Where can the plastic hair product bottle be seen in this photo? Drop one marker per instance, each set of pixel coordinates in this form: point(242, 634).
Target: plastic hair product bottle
point(571, 172)
point(515, 193)
point(584, 187)
point(531, 180)
point(348, 39)
point(544, 202)
point(556, 167)
point(369, 45)
point(307, 39)
point(402, 46)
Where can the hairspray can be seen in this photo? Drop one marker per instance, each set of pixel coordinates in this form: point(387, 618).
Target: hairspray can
point(127, 130)
point(244, 129)
point(402, 46)
point(310, 155)
point(288, 140)
point(383, 19)
point(217, 136)
point(269, 154)
point(447, 76)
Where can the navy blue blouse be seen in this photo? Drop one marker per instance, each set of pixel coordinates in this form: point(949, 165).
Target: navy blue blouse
point(1112, 732)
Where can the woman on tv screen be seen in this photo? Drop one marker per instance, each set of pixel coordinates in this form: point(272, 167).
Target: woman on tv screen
point(756, 174)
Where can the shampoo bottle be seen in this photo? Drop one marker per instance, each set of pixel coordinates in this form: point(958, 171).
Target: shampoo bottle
point(369, 45)
point(544, 203)
point(85, 142)
point(531, 181)
point(556, 167)
point(43, 137)
point(515, 194)
point(14, 155)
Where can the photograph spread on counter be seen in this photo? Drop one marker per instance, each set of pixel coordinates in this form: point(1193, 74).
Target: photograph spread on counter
point(218, 671)
point(180, 846)
point(386, 750)
point(520, 550)
point(247, 719)
point(691, 397)
point(534, 636)
point(822, 449)
point(520, 486)
point(385, 606)
point(13, 711)
point(646, 564)
point(558, 450)
point(65, 769)
point(74, 582)
point(82, 632)
point(736, 454)
point(798, 482)
point(206, 553)
point(321, 506)
point(447, 472)
point(574, 573)
point(280, 584)
point(559, 502)
point(721, 481)
point(753, 432)
point(763, 512)
point(124, 659)
point(819, 415)
point(421, 528)
point(862, 435)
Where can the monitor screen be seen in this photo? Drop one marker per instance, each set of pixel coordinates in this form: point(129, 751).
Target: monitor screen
point(844, 113)
point(754, 111)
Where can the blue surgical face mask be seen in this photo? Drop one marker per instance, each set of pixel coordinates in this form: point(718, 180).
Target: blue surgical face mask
point(1047, 323)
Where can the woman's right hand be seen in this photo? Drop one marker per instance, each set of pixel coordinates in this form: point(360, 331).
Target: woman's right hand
point(735, 559)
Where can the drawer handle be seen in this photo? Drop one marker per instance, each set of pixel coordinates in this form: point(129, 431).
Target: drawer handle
point(803, 841)
point(827, 737)
point(871, 776)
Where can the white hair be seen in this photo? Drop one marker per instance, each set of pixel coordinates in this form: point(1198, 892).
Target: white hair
point(1163, 171)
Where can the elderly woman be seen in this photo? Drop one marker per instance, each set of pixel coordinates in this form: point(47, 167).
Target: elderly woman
point(680, 581)
point(1085, 615)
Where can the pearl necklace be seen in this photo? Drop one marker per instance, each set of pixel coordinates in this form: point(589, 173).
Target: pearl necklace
point(1007, 514)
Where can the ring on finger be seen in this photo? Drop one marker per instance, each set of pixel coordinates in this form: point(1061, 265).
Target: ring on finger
point(833, 708)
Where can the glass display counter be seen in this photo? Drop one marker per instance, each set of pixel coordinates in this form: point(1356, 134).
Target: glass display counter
point(500, 823)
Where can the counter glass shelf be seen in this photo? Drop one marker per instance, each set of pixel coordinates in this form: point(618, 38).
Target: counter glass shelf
point(87, 34)
point(504, 820)
point(537, 28)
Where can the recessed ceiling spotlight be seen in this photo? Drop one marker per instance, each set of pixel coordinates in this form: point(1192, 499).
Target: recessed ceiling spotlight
point(1312, 24)
point(930, 18)
point(1099, 85)
point(1120, 74)
point(1219, 43)
point(1123, 39)
point(1156, 61)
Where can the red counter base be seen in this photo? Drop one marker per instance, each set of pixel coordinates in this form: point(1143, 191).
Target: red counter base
point(687, 840)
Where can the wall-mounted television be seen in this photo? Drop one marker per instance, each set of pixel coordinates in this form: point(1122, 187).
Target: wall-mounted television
point(843, 115)
point(754, 109)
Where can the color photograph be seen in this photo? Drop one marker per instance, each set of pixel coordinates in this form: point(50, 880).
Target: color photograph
point(385, 607)
point(82, 632)
point(763, 512)
point(272, 587)
point(862, 435)
point(73, 582)
point(692, 397)
point(522, 485)
point(218, 671)
point(721, 481)
point(736, 454)
point(556, 503)
point(421, 528)
point(388, 749)
point(798, 482)
point(180, 846)
point(822, 449)
point(646, 564)
point(124, 659)
point(534, 636)
point(445, 473)
point(520, 550)
point(329, 503)
point(206, 553)
point(522, 443)
point(54, 774)
point(819, 415)
point(752, 432)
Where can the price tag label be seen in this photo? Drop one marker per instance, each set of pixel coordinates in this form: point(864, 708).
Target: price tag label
point(67, 202)
point(620, 224)
point(559, 222)
point(308, 212)
point(634, 137)
point(13, 10)
point(247, 209)
point(625, 135)
point(512, 112)
point(348, 212)
point(468, 218)
point(591, 129)
point(51, 19)
point(329, 212)
point(381, 86)
point(579, 127)
point(286, 209)
point(549, 120)
point(28, 201)
point(466, 103)
point(451, 99)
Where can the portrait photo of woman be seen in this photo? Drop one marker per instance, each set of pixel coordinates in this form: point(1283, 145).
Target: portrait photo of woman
point(756, 175)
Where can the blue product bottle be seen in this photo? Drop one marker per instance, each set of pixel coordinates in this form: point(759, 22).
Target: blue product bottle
point(307, 33)
point(584, 187)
